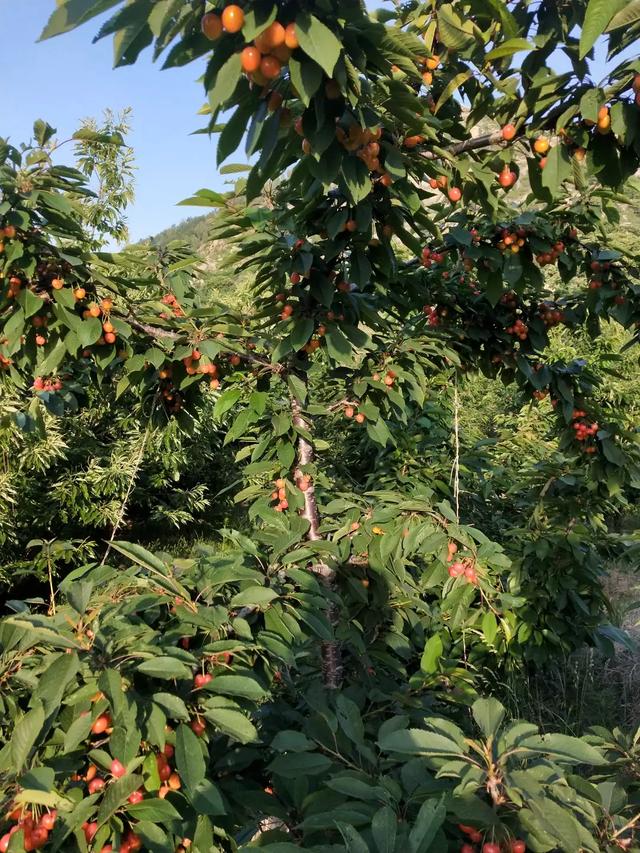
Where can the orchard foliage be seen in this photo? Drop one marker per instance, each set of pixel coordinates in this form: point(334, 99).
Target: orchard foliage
point(172, 705)
point(302, 674)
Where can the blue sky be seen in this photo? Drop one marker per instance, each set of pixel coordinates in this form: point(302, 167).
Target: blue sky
point(66, 79)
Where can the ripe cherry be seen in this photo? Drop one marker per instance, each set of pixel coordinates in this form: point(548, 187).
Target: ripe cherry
point(232, 18)
point(291, 37)
point(4, 843)
point(541, 145)
point(508, 132)
point(490, 847)
point(101, 724)
point(199, 728)
point(39, 838)
point(201, 679)
point(250, 59)
point(95, 785)
point(454, 194)
point(518, 847)
point(136, 797)
point(467, 848)
point(118, 769)
point(270, 67)
point(507, 178)
point(211, 26)
point(48, 820)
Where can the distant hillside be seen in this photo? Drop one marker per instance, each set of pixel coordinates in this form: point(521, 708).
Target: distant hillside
point(194, 231)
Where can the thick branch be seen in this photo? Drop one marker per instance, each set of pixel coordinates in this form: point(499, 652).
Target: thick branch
point(330, 650)
point(170, 334)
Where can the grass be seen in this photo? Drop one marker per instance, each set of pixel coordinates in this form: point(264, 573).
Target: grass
point(588, 688)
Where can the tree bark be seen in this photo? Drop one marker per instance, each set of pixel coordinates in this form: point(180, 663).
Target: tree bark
point(330, 649)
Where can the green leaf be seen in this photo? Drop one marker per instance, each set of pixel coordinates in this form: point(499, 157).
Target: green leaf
point(257, 19)
point(289, 740)
point(508, 48)
point(164, 667)
point(318, 42)
point(454, 33)
point(154, 810)
point(432, 653)
point(419, 742)
point(354, 179)
point(232, 723)
point(384, 828)
point(557, 169)
point(590, 103)
point(301, 332)
point(353, 841)
point(598, 15)
point(300, 764)
point(190, 762)
point(25, 736)
point(489, 627)
point(226, 401)
point(237, 685)
point(306, 77)
point(72, 13)
point(563, 748)
point(155, 840)
point(173, 706)
point(338, 346)
point(117, 794)
point(627, 16)
point(226, 81)
point(253, 596)
point(429, 820)
point(488, 714)
point(204, 198)
point(452, 86)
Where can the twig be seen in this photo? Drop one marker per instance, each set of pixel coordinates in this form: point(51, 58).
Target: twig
point(125, 501)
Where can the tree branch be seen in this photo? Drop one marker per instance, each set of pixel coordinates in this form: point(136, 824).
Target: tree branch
point(330, 649)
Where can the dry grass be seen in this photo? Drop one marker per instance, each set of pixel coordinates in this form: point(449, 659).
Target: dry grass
point(589, 688)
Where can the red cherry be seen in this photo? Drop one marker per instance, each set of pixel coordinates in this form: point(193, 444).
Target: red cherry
point(96, 784)
point(201, 679)
point(39, 838)
point(48, 820)
point(467, 848)
point(117, 768)
point(4, 843)
point(198, 727)
point(454, 194)
point(101, 724)
point(90, 830)
point(518, 847)
point(136, 797)
point(490, 847)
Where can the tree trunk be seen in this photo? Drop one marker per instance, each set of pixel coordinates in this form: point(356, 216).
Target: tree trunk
point(330, 650)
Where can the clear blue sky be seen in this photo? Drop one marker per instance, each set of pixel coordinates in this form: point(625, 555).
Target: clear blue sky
point(66, 79)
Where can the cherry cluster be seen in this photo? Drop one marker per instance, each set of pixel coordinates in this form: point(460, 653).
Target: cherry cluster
point(35, 830)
